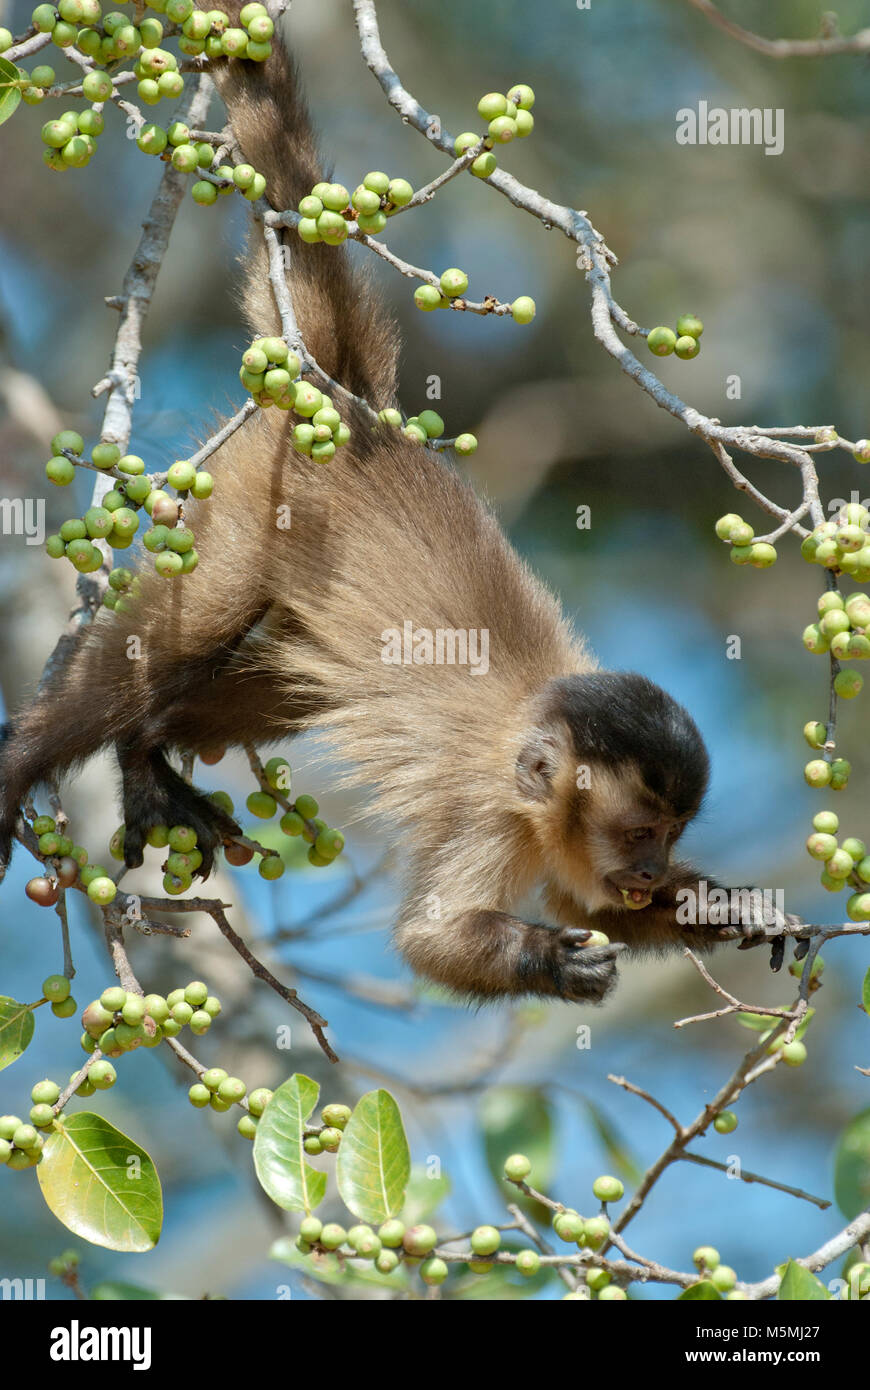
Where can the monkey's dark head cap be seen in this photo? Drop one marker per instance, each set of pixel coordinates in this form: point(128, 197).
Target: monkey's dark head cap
point(619, 717)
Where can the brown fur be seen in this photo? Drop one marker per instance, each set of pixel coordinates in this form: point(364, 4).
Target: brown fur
point(278, 630)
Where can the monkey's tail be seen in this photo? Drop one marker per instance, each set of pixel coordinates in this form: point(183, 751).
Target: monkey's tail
point(341, 318)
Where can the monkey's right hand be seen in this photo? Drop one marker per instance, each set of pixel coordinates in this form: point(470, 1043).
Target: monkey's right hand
point(581, 972)
point(486, 953)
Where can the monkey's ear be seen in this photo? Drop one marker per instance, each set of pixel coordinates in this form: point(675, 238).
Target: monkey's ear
point(536, 765)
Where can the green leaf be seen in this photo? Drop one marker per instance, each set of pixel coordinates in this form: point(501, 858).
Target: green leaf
point(518, 1119)
point(373, 1163)
point(852, 1167)
point(89, 1183)
point(865, 993)
point(113, 1289)
point(9, 95)
point(424, 1195)
point(329, 1269)
point(279, 1156)
point(16, 1020)
point(759, 1022)
point(705, 1291)
point(503, 1283)
point(767, 1024)
point(798, 1285)
point(617, 1150)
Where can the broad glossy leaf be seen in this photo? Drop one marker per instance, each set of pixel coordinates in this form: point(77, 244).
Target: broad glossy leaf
point(9, 96)
point(852, 1167)
point(703, 1291)
point(373, 1163)
point(90, 1184)
point(279, 1156)
point(798, 1285)
point(865, 993)
point(16, 1029)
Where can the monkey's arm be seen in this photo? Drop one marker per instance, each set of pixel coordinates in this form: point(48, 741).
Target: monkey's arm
point(487, 953)
point(687, 910)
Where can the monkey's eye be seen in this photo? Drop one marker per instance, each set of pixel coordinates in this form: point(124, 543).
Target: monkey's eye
point(640, 832)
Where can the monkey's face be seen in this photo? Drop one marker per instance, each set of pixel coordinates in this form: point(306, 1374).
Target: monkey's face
point(611, 772)
point(628, 834)
point(608, 844)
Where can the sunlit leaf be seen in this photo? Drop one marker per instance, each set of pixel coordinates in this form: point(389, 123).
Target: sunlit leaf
point(373, 1163)
point(852, 1167)
point(101, 1184)
point(703, 1291)
point(16, 1029)
point(10, 95)
point(865, 993)
point(279, 1155)
point(798, 1285)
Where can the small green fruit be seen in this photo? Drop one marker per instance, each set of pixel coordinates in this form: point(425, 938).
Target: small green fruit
point(517, 1167)
point(419, 1240)
point(433, 1271)
point(454, 282)
point(723, 1278)
point(55, 989)
point(523, 309)
point(485, 1240)
point(608, 1189)
point(661, 341)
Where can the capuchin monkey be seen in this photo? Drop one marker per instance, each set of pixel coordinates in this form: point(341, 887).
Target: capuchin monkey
point(540, 771)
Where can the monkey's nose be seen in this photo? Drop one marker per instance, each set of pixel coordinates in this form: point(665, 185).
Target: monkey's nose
point(642, 876)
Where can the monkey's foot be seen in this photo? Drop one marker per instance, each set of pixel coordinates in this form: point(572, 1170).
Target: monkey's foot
point(154, 794)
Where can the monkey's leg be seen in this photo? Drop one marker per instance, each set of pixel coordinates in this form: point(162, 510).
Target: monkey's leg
point(487, 953)
point(218, 705)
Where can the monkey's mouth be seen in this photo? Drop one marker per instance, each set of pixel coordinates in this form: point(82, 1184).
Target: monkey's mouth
point(636, 898)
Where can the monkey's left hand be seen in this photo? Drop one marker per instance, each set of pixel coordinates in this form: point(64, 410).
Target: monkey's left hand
point(691, 910)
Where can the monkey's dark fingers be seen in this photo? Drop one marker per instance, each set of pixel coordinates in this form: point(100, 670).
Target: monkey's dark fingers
point(756, 932)
point(573, 936)
point(568, 944)
point(583, 973)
